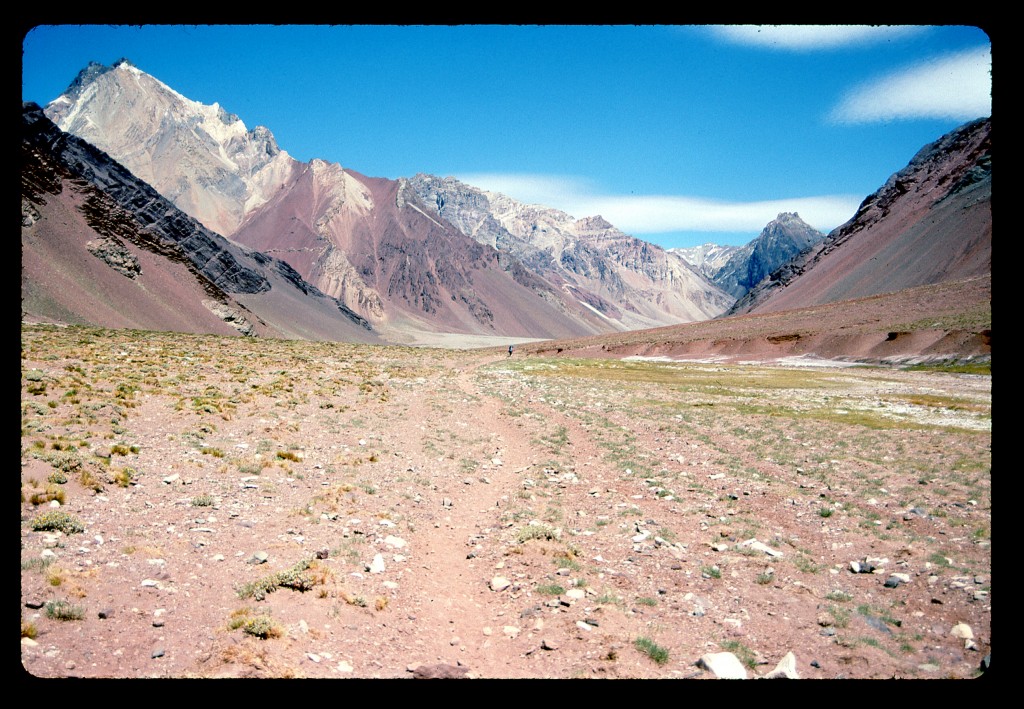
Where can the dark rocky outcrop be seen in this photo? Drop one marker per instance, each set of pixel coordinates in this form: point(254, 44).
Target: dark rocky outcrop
point(780, 241)
point(78, 203)
point(121, 207)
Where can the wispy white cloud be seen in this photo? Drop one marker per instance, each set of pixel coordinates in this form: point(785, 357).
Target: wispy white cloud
point(656, 214)
point(956, 86)
point(548, 190)
point(811, 37)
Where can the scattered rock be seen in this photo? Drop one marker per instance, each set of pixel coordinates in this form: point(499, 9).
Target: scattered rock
point(862, 567)
point(962, 631)
point(439, 671)
point(724, 665)
point(786, 669)
point(377, 565)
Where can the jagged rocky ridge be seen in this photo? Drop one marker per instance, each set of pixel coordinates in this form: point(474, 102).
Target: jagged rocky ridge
point(633, 282)
point(200, 157)
point(931, 222)
point(708, 259)
point(129, 219)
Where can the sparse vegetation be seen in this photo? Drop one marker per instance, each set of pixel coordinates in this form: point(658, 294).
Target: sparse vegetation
point(650, 648)
point(258, 625)
point(741, 651)
point(63, 610)
point(304, 576)
point(58, 520)
point(536, 531)
point(699, 457)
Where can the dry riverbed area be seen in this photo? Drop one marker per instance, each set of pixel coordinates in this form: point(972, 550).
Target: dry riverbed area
point(197, 506)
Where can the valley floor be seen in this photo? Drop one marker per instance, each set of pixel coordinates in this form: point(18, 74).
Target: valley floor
point(294, 509)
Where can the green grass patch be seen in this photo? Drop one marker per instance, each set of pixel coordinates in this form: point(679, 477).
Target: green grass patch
point(650, 648)
point(743, 653)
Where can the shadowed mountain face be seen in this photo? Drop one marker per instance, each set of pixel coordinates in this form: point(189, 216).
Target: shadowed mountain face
point(101, 247)
point(779, 242)
point(930, 223)
point(372, 243)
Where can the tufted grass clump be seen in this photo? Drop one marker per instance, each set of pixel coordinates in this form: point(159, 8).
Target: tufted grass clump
point(57, 521)
point(125, 477)
point(651, 649)
point(304, 576)
point(62, 610)
point(743, 653)
point(52, 492)
point(260, 626)
point(204, 500)
point(536, 531)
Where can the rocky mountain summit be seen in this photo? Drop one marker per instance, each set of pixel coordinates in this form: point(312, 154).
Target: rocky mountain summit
point(200, 157)
point(779, 242)
point(706, 258)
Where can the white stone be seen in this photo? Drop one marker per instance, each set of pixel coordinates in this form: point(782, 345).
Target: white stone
point(396, 542)
point(724, 665)
point(377, 565)
point(962, 631)
point(786, 669)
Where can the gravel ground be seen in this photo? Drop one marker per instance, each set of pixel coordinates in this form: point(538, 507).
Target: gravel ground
point(293, 509)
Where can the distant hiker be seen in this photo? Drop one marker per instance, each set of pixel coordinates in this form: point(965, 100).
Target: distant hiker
point(510, 350)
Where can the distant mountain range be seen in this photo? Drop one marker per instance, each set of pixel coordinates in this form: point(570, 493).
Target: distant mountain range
point(153, 211)
point(406, 255)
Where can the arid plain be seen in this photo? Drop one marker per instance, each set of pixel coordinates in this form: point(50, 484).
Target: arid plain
point(236, 507)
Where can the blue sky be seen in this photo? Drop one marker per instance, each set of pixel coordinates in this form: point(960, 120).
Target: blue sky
point(679, 135)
